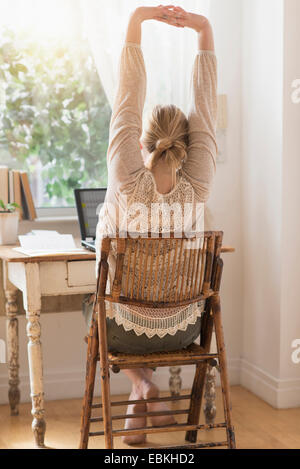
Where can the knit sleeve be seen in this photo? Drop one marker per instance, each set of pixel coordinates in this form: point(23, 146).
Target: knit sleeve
point(124, 158)
point(200, 165)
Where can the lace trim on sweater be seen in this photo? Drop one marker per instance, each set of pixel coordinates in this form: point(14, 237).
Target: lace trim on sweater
point(141, 322)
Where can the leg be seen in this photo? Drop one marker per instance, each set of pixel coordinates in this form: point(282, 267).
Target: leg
point(36, 376)
point(216, 305)
point(139, 382)
point(210, 409)
point(143, 388)
point(92, 353)
point(165, 418)
point(175, 381)
point(13, 350)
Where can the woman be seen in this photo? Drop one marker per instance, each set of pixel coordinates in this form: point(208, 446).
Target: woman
point(173, 163)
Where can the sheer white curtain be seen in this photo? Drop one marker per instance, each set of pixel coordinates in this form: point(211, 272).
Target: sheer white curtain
point(169, 52)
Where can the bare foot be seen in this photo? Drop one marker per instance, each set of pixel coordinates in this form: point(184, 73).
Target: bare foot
point(151, 391)
point(135, 423)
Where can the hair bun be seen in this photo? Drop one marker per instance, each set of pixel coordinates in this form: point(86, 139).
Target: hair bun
point(164, 144)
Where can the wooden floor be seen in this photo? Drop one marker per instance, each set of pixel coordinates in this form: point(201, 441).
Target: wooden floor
point(257, 425)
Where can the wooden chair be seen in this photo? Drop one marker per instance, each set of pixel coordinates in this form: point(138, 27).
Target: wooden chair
point(140, 279)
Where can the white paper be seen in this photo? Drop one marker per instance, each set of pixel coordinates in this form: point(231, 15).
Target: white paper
point(39, 243)
point(44, 233)
point(33, 253)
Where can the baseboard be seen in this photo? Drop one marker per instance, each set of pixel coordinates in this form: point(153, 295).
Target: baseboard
point(70, 384)
point(279, 393)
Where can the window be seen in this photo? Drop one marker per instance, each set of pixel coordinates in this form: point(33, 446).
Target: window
point(54, 113)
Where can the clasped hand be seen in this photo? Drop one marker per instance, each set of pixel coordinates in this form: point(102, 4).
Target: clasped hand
point(170, 14)
point(174, 16)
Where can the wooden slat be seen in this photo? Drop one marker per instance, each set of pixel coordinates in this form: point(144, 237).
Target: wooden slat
point(208, 264)
point(195, 251)
point(129, 250)
point(188, 280)
point(197, 270)
point(150, 271)
point(117, 283)
point(209, 444)
point(135, 247)
point(194, 352)
point(156, 304)
point(140, 264)
point(183, 273)
point(162, 271)
point(200, 287)
point(183, 397)
point(174, 268)
point(171, 246)
point(178, 268)
point(179, 427)
point(143, 414)
point(165, 363)
point(146, 246)
point(154, 296)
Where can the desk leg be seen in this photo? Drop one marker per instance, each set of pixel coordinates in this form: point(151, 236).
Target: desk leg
point(175, 381)
point(12, 337)
point(210, 410)
point(36, 376)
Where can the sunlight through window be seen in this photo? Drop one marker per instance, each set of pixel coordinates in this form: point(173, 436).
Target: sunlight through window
point(54, 114)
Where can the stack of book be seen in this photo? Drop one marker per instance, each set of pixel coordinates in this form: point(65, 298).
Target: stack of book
point(15, 188)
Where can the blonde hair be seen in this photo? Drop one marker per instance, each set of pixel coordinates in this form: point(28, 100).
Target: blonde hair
point(166, 138)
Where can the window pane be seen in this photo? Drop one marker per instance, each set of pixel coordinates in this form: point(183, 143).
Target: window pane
point(54, 112)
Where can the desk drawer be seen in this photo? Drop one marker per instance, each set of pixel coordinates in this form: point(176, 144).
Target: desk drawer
point(81, 273)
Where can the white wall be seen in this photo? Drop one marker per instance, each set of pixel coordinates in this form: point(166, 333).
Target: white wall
point(261, 182)
point(290, 274)
point(271, 194)
point(225, 202)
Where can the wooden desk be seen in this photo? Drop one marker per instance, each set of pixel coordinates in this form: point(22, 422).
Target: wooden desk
point(39, 276)
point(36, 277)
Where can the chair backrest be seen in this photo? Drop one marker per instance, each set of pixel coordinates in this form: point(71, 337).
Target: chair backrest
point(159, 271)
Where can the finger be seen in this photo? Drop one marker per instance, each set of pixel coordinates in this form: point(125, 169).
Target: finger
point(180, 12)
point(178, 25)
point(167, 9)
point(180, 9)
point(167, 15)
point(158, 18)
point(164, 20)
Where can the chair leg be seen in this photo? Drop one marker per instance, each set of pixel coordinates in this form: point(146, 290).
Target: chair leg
point(200, 375)
point(196, 401)
point(216, 305)
point(92, 353)
point(105, 379)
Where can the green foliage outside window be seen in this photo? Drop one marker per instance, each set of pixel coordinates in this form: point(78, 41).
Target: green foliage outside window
point(53, 113)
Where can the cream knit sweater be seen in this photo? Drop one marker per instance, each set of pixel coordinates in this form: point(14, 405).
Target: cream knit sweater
point(130, 184)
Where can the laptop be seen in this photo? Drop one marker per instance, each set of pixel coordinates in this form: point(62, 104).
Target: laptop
point(88, 205)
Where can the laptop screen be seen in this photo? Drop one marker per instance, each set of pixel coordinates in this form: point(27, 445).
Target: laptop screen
point(88, 204)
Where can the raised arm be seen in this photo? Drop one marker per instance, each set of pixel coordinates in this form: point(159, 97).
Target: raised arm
point(201, 162)
point(124, 157)
point(200, 166)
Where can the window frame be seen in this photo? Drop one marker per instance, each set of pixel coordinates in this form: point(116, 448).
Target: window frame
point(56, 212)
